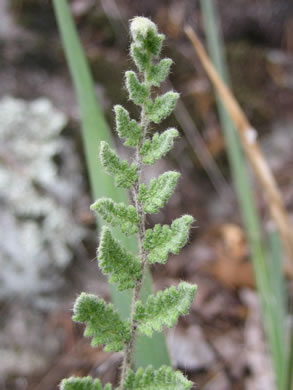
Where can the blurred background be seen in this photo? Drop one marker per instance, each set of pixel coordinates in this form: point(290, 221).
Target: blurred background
point(48, 234)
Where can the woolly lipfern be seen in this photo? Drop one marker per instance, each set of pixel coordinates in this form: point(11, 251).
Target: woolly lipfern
point(163, 308)
point(118, 214)
point(157, 147)
point(124, 174)
point(123, 268)
point(87, 383)
point(158, 192)
point(162, 240)
point(163, 379)
point(103, 323)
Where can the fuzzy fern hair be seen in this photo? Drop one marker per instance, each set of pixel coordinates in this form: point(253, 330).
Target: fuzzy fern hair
point(123, 268)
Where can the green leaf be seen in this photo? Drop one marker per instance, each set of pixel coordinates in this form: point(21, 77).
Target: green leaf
point(138, 92)
point(162, 240)
point(103, 323)
point(144, 32)
point(159, 72)
point(162, 379)
point(124, 174)
point(126, 128)
point(158, 146)
point(114, 260)
point(86, 383)
point(140, 57)
point(162, 107)
point(117, 214)
point(164, 308)
point(158, 193)
point(153, 43)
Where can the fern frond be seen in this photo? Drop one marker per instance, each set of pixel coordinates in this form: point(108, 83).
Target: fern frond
point(161, 107)
point(144, 32)
point(162, 379)
point(124, 174)
point(138, 92)
point(164, 308)
point(86, 383)
point(162, 240)
point(159, 191)
point(157, 147)
point(103, 323)
point(159, 72)
point(114, 260)
point(117, 214)
point(127, 128)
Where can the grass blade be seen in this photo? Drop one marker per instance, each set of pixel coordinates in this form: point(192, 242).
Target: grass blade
point(95, 130)
point(269, 289)
point(288, 383)
point(278, 307)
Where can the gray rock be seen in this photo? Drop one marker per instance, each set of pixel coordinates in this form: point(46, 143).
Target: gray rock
point(38, 229)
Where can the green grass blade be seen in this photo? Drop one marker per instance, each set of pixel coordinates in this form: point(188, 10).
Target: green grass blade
point(278, 304)
point(95, 130)
point(280, 300)
point(266, 286)
point(288, 382)
point(277, 279)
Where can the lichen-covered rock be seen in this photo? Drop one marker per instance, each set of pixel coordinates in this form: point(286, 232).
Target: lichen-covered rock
point(27, 342)
point(38, 230)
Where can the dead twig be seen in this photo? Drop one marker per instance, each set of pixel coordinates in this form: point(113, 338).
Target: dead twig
point(248, 138)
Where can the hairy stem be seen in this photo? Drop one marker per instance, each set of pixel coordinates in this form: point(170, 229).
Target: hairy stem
point(129, 347)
